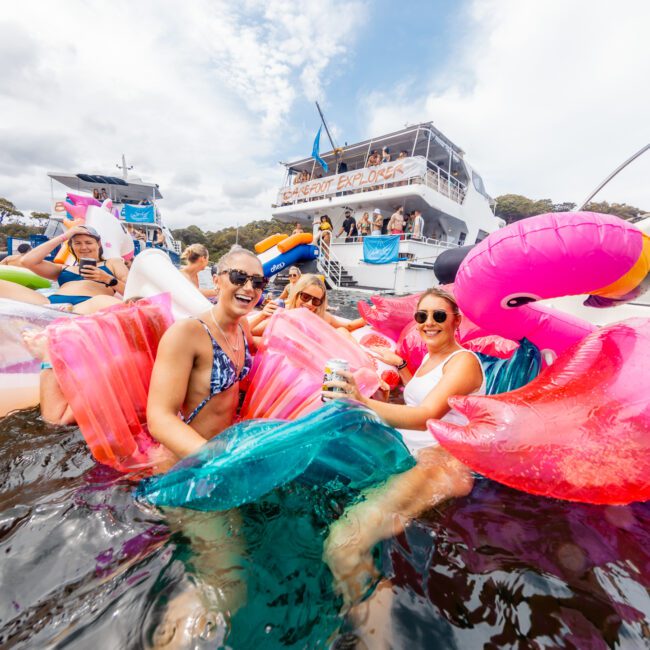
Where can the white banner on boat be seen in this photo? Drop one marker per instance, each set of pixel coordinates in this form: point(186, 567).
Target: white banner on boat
point(392, 172)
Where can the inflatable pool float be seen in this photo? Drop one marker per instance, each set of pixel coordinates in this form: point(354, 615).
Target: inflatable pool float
point(287, 374)
point(279, 251)
point(579, 431)
point(367, 337)
point(153, 273)
point(549, 256)
point(289, 482)
point(23, 276)
point(116, 242)
point(19, 371)
point(103, 364)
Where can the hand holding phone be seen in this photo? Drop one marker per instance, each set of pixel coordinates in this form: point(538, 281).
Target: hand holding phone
point(86, 263)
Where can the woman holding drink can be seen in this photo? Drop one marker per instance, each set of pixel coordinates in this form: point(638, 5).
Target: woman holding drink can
point(447, 369)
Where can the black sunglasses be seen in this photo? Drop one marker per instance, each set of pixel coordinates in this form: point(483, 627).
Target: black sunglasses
point(307, 297)
point(293, 275)
point(438, 315)
point(240, 278)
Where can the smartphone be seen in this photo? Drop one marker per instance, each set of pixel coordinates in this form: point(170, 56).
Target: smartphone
point(86, 261)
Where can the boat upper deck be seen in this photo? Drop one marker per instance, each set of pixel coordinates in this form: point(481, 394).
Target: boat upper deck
point(416, 155)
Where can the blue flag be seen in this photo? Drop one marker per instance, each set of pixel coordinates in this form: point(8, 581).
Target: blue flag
point(316, 151)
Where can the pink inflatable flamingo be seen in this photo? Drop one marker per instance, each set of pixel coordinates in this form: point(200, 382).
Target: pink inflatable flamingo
point(579, 431)
point(548, 256)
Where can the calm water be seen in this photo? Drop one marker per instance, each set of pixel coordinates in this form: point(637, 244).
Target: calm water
point(85, 566)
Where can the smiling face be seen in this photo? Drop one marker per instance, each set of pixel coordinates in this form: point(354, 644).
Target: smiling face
point(303, 298)
point(85, 246)
point(438, 336)
point(237, 300)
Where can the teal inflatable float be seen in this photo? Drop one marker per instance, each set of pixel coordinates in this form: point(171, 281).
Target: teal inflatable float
point(289, 481)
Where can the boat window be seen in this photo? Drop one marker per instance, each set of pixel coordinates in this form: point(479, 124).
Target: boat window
point(481, 236)
point(478, 184)
point(53, 229)
point(461, 238)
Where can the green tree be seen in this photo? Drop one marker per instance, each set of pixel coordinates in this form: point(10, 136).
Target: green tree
point(622, 210)
point(8, 211)
point(219, 242)
point(17, 230)
point(39, 215)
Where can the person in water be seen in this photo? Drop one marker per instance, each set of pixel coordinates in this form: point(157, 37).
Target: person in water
point(294, 276)
point(446, 370)
point(310, 292)
point(196, 259)
point(200, 361)
point(88, 287)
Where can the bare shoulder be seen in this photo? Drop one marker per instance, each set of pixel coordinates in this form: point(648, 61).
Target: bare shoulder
point(182, 334)
point(465, 362)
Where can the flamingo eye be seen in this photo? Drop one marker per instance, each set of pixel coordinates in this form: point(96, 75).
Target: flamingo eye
point(518, 299)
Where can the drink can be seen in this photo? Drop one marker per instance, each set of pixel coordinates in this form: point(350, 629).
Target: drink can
point(333, 368)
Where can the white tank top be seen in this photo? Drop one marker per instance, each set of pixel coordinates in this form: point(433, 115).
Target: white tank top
point(415, 392)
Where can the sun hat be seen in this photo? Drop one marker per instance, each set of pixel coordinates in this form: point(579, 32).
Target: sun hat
point(376, 211)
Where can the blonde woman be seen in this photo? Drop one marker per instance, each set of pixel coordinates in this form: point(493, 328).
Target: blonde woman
point(196, 259)
point(294, 276)
point(310, 292)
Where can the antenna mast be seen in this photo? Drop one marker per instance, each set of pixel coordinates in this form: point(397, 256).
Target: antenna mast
point(124, 168)
point(329, 135)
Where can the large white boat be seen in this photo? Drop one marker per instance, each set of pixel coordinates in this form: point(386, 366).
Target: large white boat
point(426, 172)
point(135, 204)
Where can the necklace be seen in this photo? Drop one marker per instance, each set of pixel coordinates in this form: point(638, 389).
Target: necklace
point(233, 348)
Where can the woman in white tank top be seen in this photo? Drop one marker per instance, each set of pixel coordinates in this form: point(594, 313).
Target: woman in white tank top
point(447, 369)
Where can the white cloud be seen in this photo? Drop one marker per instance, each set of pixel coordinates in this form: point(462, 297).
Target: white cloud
point(546, 98)
point(196, 94)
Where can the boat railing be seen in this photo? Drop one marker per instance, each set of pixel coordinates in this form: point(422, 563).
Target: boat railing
point(329, 265)
point(432, 176)
point(408, 237)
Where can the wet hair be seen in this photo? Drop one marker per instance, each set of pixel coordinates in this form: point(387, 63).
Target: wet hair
point(24, 248)
point(226, 260)
point(308, 280)
point(437, 292)
point(194, 253)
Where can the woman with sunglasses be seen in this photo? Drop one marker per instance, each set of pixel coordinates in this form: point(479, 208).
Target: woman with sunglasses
point(194, 390)
point(294, 275)
point(310, 292)
point(446, 370)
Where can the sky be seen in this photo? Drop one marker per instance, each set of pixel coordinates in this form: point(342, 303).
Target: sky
point(205, 97)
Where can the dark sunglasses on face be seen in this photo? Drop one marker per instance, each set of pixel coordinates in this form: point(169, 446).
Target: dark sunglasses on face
point(240, 278)
point(293, 275)
point(438, 315)
point(307, 297)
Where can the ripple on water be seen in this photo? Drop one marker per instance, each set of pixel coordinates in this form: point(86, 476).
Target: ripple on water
point(83, 565)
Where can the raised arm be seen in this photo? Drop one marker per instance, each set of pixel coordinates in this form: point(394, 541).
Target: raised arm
point(169, 382)
point(34, 260)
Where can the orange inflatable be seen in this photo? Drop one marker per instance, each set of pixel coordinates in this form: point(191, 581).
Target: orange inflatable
point(269, 242)
point(103, 364)
point(295, 240)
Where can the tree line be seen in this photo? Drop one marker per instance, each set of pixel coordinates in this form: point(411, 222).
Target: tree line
point(510, 207)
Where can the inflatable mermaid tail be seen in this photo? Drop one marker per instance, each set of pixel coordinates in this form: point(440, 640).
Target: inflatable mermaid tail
point(291, 480)
point(580, 431)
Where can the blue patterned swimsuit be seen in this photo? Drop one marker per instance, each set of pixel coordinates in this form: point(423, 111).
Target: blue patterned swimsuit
point(224, 373)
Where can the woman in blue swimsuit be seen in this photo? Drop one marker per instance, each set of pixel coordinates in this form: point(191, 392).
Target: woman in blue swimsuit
point(87, 289)
point(194, 390)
